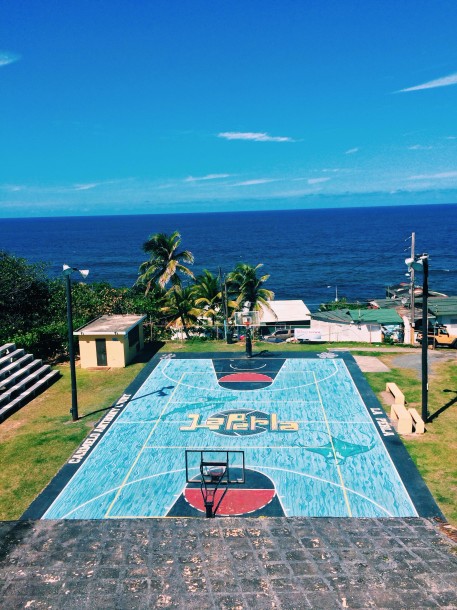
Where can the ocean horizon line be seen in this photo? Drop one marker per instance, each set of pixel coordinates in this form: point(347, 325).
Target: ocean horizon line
point(237, 212)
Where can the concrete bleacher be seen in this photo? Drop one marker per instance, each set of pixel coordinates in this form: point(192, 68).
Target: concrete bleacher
point(22, 377)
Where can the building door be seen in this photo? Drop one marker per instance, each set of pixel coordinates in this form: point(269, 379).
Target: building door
point(100, 344)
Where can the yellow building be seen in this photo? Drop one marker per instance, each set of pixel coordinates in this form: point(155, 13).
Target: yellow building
point(111, 341)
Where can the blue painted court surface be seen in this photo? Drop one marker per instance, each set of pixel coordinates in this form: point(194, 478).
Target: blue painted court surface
point(313, 445)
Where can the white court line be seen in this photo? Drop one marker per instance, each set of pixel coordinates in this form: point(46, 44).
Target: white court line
point(249, 466)
point(109, 491)
point(172, 422)
point(378, 434)
point(310, 476)
point(138, 456)
point(247, 370)
point(334, 451)
point(246, 447)
point(269, 389)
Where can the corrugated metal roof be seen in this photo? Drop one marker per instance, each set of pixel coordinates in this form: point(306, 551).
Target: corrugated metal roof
point(340, 316)
point(377, 316)
point(365, 316)
point(286, 311)
point(443, 307)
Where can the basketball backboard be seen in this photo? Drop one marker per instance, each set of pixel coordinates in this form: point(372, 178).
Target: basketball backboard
point(247, 318)
point(200, 462)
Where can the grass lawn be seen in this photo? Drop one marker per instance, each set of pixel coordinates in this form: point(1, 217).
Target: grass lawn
point(435, 452)
point(36, 441)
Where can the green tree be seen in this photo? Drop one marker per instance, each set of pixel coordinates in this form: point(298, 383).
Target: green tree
point(245, 285)
point(24, 295)
point(208, 296)
point(165, 263)
point(180, 310)
point(342, 303)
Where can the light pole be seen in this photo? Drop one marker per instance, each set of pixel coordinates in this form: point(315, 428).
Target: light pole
point(420, 263)
point(67, 271)
point(248, 339)
point(223, 285)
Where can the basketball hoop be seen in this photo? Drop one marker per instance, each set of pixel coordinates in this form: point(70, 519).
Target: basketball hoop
point(248, 319)
point(216, 475)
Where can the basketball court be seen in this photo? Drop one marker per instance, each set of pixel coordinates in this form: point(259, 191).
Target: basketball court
point(299, 435)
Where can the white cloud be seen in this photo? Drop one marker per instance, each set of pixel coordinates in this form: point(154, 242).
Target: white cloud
point(351, 151)
point(207, 177)
point(11, 188)
point(317, 180)
point(420, 147)
point(254, 182)
point(253, 136)
point(445, 81)
point(439, 176)
point(85, 187)
point(8, 58)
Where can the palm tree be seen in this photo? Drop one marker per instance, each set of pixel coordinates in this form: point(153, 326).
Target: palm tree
point(208, 296)
point(245, 285)
point(181, 310)
point(165, 262)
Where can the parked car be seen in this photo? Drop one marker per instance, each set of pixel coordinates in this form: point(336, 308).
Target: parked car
point(281, 334)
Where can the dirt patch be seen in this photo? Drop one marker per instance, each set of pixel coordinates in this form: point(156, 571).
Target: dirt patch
point(414, 361)
point(8, 427)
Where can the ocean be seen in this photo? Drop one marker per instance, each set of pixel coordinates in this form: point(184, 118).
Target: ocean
point(312, 255)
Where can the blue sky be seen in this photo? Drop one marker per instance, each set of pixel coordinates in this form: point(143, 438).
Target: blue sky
point(164, 106)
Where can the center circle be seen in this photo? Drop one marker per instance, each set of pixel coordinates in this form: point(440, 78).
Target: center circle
point(243, 422)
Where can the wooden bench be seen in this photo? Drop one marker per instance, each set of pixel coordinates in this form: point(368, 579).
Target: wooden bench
point(399, 397)
point(407, 420)
point(403, 419)
point(398, 411)
point(418, 422)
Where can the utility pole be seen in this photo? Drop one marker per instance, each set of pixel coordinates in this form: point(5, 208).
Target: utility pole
point(425, 415)
point(412, 299)
point(223, 285)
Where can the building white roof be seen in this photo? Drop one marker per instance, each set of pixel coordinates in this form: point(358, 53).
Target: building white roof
point(110, 325)
point(286, 311)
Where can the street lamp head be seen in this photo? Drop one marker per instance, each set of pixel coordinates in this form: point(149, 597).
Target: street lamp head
point(416, 263)
point(67, 270)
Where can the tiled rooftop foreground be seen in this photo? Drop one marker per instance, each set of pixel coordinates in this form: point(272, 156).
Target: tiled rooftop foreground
point(240, 563)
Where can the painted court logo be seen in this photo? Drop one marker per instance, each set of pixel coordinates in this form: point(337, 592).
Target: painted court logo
point(240, 422)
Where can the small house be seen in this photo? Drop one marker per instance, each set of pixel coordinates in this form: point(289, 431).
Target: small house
point(445, 312)
point(110, 341)
point(363, 325)
point(284, 314)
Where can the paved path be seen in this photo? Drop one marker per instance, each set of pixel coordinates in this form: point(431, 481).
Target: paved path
point(288, 563)
point(371, 364)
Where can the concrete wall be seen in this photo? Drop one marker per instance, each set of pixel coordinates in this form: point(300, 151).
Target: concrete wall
point(367, 333)
point(131, 351)
point(115, 350)
point(118, 351)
